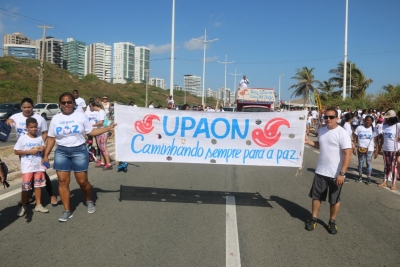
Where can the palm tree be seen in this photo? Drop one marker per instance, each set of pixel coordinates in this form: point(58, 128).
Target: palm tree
point(326, 88)
point(305, 83)
point(359, 83)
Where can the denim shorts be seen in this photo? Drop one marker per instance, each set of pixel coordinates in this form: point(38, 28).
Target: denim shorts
point(74, 159)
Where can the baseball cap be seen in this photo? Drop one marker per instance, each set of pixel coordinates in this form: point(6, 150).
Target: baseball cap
point(390, 114)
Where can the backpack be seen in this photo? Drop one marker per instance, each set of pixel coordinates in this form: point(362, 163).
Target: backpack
point(5, 131)
point(4, 169)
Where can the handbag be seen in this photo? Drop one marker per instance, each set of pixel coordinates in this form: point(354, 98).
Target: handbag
point(364, 150)
point(5, 131)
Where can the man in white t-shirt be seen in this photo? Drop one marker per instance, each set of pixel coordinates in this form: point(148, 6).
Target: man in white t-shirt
point(314, 114)
point(334, 159)
point(243, 82)
point(339, 115)
point(79, 101)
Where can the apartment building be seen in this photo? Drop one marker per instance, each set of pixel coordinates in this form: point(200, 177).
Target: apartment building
point(142, 64)
point(157, 82)
point(124, 61)
point(99, 60)
point(53, 50)
point(17, 38)
point(192, 84)
point(74, 57)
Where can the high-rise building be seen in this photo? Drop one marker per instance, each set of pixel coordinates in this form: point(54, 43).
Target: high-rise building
point(74, 57)
point(124, 61)
point(98, 58)
point(211, 93)
point(191, 84)
point(142, 63)
point(53, 50)
point(15, 38)
point(157, 82)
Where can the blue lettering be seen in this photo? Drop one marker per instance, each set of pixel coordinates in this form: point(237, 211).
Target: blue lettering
point(165, 126)
point(236, 129)
point(202, 128)
point(133, 143)
point(214, 133)
point(58, 130)
point(185, 127)
point(75, 127)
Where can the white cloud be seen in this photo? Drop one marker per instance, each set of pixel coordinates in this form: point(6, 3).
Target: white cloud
point(194, 45)
point(217, 24)
point(211, 59)
point(161, 49)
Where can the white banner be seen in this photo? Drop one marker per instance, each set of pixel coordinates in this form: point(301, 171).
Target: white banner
point(161, 135)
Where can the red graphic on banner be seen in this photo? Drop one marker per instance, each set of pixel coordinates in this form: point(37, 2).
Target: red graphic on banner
point(270, 135)
point(145, 126)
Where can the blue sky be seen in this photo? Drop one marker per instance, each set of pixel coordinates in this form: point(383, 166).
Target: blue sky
point(265, 38)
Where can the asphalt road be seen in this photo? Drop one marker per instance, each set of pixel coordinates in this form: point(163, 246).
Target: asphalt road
point(179, 220)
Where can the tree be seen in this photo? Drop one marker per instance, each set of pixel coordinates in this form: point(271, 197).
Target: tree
point(326, 89)
point(359, 83)
point(305, 83)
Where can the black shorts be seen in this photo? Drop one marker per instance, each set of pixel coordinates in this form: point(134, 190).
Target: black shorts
point(319, 189)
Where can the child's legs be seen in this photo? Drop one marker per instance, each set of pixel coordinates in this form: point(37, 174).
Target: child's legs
point(39, 181)
point(24, 198)
point(26, 187)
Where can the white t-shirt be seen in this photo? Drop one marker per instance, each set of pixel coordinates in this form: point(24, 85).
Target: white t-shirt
point(331, 145)
point(243, 83)
point(355, 121)
point(218, 110)
point(92, 116)
point(348, 129)
point(80, 104)
point(366, 137)
point(170, 101)
point(314, 114)
point(69, 129)
point(309, 119)
point(339, 115)
point(389, 137)
point(151, 106)
point(106, 107)
point(30, 163)
point(20, 124)
point(379, 127)
point(101, 115)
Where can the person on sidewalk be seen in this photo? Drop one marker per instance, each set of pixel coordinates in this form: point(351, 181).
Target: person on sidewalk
point(335, 154)
point(79, 101)
point(390, 144)
point(365, 137)
point(30, 147)
point(68, 130)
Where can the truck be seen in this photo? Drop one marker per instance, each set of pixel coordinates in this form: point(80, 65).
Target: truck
point(255, 99)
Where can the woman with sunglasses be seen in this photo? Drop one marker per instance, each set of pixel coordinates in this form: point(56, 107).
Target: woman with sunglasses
point(366, 137)
point(18, 120)
point(390, 144)
point(68, 130)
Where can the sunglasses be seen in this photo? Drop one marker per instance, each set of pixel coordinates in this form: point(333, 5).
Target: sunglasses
point(66, 102)
point(329, 117)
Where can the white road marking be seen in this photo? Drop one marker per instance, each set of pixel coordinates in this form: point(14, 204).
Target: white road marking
point(232, 237)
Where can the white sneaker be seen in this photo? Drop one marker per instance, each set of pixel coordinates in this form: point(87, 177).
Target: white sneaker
point(21, 212)
point(40, 208)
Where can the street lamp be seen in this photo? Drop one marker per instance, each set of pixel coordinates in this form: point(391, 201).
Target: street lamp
point(280, 76)
point(225, 63)
point(345, 50)
point(234, 85)
point(171, 79)
point(204, 59)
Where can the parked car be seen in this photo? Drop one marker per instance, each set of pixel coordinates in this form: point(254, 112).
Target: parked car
point(229, 109)
point(46, 110)
point(8, 109)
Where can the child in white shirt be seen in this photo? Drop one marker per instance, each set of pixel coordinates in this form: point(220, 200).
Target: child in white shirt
point(30, 146)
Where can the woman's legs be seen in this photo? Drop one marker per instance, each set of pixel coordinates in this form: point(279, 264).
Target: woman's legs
point(86, 187)
point(63, 188)
point(360, 163)
point(388, 158)
point(101, 141)
point(369, 163)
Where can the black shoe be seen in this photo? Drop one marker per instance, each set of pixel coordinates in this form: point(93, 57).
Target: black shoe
point(368, 182)
point(332, 228)
point(311, 224)
point(359, 180)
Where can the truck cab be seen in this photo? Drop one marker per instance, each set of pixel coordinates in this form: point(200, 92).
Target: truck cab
point(255, 99)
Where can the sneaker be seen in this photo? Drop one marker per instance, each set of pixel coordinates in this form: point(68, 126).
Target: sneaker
point(40, 208)
point(90, 207)
point(65, 216)
point(21, 212)
point(332, 228)
point(107, 167)
point(346, 181)
point(99, 165)
point(368, 182)
point(359, 180)
point(311, 224)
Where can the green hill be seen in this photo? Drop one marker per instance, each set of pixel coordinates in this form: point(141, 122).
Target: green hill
point(19, 78)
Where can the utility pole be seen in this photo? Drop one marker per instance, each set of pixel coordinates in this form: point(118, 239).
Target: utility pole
point(147, 82)
point(345, 51)
point(234, 85)
point(204, 59)
point(225, 63)
point(41, 68)
point(171, 77)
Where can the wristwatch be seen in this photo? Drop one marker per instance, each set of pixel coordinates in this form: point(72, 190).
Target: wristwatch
point(342, 173)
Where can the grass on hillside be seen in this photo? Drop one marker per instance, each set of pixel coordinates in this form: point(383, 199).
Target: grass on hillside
point(19, 78)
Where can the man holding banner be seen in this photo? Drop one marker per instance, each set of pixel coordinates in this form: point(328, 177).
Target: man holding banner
point(334, 159)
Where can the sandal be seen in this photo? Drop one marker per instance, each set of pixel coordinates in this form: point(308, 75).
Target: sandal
point(384, 184)
point(54, 204)
point(394, 187)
